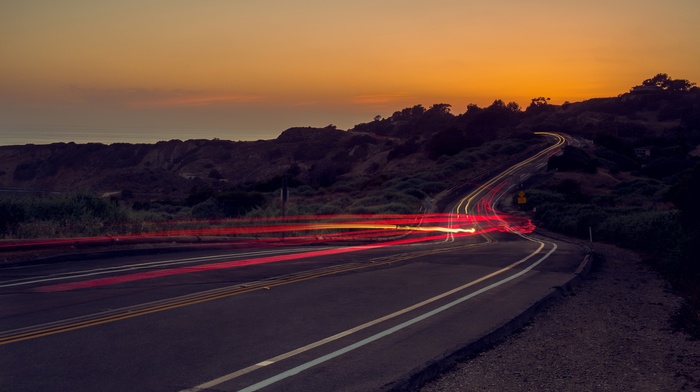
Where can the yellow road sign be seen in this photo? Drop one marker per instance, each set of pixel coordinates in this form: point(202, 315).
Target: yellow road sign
point(521, 197)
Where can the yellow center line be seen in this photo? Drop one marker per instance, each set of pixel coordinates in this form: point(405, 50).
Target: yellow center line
point(469, 198)
point(127, 313)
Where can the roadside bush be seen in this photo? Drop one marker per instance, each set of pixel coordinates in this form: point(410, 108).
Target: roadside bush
point(635, 228)
point(402, 150)
point(328, 209)
point(235, 204)
point(389, 208)
point(512, 148)
point(573, 159)
point(639, 192)
point(11, 214)
point(616, 161)
point(538, 197)
point(448, 142)
point(209, 209)
point(570, 219)
point(304, 191)
point(67, 215)
point(638, 229)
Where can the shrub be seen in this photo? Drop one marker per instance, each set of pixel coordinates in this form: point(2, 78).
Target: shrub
point(571, 219)
point(209, 209)
point(402, 150)
point(638, 229)
point(573, 159)
point(66, 215)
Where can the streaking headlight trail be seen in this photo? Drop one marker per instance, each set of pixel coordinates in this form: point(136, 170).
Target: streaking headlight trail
point(304, 229)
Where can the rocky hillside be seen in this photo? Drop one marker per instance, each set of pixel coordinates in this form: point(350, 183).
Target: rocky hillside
point(655, 127)
point(313, 157)
point(169, 168)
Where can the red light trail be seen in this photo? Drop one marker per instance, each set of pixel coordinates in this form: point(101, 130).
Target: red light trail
point(313, 228)
point(387, 230)
point(380, 230)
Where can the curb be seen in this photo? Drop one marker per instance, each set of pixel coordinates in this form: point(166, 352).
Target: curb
point(434, 369)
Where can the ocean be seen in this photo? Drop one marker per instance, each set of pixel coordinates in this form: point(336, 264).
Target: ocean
point(42, 135)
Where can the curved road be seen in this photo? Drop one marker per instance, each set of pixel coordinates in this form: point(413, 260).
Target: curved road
point(304, 318)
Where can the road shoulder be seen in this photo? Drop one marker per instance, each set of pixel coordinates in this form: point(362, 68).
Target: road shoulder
point(612, 333)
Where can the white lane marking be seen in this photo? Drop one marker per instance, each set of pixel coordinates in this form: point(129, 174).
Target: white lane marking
point(327, 357)
point(133, 267)
point(231, 376)
point(298, 369)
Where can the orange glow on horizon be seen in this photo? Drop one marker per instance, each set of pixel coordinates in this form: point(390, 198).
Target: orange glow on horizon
point(196, 101)
point(355, 59)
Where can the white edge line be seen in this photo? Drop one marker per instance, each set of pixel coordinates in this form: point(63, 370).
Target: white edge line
point(134, 267)
point(231, 376)
point(389, 331)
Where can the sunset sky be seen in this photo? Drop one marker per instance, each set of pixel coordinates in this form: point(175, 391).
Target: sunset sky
point(244, 69)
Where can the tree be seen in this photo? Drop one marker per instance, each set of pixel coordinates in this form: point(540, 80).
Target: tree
point(448, 142)
point(660, 80)
point(497, 105)
point(680, 85)
point(539, 101)
point(409, 113)
point(441, 108)
point(513, 106)
point(538, 105)
point(473, 109)
point(665, 82)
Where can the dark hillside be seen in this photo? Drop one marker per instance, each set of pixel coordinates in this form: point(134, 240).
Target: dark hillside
point(393, 163)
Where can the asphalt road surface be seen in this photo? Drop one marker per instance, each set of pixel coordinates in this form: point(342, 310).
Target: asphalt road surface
point(278, 318)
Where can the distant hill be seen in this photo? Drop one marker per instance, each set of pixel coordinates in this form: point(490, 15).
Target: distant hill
point(661, 118)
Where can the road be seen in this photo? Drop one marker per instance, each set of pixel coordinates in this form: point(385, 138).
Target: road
point(279, 318)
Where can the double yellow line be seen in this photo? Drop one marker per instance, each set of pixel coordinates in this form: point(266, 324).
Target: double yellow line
point(39, 331)
point(466, 201)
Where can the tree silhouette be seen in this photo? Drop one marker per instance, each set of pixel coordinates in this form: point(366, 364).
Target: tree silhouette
point(448, 142)
point(440, 108)
point(473, 108)
point(513, 106)
point(538, 105)
point(665, 82)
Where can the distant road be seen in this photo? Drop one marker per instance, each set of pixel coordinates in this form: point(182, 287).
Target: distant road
point(305, 318)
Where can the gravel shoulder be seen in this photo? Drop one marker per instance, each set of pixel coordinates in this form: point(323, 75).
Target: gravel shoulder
point(612, 333)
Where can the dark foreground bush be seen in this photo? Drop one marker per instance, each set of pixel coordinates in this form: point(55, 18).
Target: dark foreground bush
point(666, 239)
point(60, 216)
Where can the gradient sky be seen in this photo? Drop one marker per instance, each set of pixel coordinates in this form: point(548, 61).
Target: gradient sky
point(246, 69)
